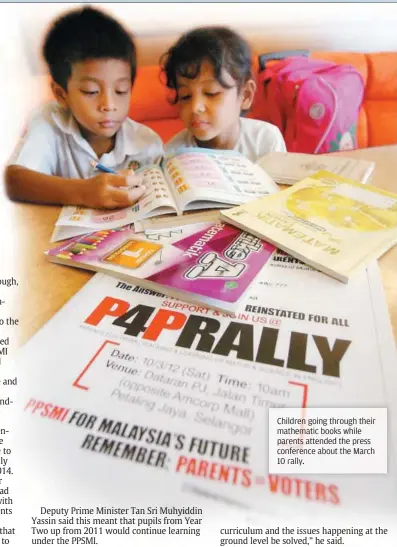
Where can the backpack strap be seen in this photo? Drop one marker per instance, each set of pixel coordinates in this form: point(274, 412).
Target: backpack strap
point(272, 70)
point(279, 55)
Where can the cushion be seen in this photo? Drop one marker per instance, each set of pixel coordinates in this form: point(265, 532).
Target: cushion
point(150, 98)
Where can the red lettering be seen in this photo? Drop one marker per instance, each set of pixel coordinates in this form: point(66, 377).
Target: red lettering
point(31, 402)
point(38, 406)
point(109, 306)
point(202, 471)
point(303, 488)
point(273, 483)
point(308, 489)
point(246, 480)
point(191, 467)
point(46, 410)
point(320, 492)
point(49, 410)
point(58, 413)
point(182, 461)
point(286, 486)
point(223, 474)
point(333, 490)
point(214, 471)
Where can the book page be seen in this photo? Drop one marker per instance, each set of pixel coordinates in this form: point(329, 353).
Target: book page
point(203, 178)
point(156, 200)
point(157, 193)
point(288, 167)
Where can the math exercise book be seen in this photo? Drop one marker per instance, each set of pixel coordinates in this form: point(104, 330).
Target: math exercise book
point(190, 179)
point(127, 399)
point(330, 222)
point(209, 263)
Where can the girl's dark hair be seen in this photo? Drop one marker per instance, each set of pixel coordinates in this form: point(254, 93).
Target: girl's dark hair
point(82, 34)
point(221, 46)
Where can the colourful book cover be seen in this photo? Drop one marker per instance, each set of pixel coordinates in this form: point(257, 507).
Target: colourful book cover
point(329, 222)
point(211, 263)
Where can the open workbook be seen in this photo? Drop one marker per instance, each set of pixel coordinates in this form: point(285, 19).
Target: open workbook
point(290, 167)
point(190, 179)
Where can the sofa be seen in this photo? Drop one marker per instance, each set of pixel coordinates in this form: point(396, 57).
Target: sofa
point(377, 124)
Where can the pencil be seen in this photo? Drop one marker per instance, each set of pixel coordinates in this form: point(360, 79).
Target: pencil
point(103, 168)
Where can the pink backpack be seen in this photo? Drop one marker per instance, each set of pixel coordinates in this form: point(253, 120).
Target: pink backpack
point(314, 103)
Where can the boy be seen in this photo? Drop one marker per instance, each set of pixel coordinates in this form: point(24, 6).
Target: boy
point(92, 62)
point(209, 69)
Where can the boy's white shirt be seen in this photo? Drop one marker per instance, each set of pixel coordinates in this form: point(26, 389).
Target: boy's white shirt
point(256, 139)
point(53, 145)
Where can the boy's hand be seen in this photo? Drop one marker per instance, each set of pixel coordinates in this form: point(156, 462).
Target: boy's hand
point(108, 191)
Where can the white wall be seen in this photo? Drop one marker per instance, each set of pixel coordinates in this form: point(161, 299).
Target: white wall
point(351, 26)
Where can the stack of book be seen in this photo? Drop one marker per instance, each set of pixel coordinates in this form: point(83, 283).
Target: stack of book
point(328, 221)
point(170, 241)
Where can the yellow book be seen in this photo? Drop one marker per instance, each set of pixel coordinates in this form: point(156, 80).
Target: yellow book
point(329, 222)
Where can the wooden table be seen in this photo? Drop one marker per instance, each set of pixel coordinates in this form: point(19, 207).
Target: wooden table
point(45, 287)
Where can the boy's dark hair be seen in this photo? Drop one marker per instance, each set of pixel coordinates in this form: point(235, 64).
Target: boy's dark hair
point(82, 34)
point(221, 46)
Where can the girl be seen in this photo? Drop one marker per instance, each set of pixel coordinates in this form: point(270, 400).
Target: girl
point(209, 70)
